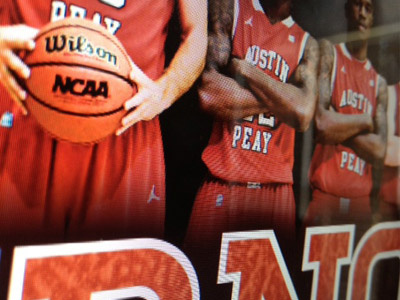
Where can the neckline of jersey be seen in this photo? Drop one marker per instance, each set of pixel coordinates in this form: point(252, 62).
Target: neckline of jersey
point(346, 52)
point(288, 21)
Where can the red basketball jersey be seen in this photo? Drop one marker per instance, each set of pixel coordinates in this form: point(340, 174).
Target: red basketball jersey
point(390, 189)
point(336, 169)
point(116, 185)
point(258, 148)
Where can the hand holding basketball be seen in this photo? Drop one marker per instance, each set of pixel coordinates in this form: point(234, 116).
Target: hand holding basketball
point(87, 80)
point(17, 37)
point(149, 101)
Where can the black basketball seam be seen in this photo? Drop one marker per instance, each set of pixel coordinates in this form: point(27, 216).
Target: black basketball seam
point(91, 29)
point(41, 64)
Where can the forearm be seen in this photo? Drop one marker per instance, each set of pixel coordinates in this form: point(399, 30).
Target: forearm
point(392, 158)
point(224, 98)
point(185, 68)
point(370, 147)
point(189, 60)
point(291, 104)
point(335, 128)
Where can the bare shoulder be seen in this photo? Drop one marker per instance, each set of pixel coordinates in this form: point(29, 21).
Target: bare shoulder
point(311, 46)
point(221, 15)
point(382, 92)
point(220, 23)
point(382, 85)
point(311, 53)
point(326, 51)
point(306, 71)
point(325, 45)
point(326, 64)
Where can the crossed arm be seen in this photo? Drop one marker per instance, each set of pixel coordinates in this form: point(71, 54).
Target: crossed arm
point(232, 88)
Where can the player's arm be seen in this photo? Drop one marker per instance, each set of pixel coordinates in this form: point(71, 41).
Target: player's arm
point(392, 158)
point(220, 24)
point(372, 146)
point(333, 127)
point(154, 97)
point(15, 38)
point(293, 102)
point(220, 95)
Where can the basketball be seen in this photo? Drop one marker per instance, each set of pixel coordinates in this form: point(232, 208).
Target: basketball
point(79, 80)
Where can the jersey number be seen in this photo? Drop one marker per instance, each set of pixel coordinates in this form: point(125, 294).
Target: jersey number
point(114, 3)
point(263, 120)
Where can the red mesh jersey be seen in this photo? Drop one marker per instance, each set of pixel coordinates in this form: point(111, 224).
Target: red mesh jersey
point(258, 148)
point(336, 169)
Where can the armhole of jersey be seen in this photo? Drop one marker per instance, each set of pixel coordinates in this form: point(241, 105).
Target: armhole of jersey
point(306, 35)
point(334, 68)
point(235, 17)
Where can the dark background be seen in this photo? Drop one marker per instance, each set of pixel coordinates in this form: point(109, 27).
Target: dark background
point(186, 129)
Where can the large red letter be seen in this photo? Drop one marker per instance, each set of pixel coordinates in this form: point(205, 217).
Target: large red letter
point(254, 263)
point(146, 268)
point(326, 249)
point(381, 241)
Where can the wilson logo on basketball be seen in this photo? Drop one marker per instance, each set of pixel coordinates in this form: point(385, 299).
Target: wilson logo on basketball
point(80, 87)
point(79, 45)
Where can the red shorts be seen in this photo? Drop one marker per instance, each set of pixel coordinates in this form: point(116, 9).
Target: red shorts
point(53, 189)
point(326, 209)
point(222, 207)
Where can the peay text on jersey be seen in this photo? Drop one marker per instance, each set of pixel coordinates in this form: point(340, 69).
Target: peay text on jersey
point(61, 10)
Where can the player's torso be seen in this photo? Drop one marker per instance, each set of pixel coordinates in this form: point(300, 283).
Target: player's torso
point(337, 169)
point(127, 19)
point(118, 164)
point(258, 148)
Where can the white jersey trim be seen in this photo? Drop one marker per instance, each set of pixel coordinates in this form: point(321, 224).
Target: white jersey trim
point(345, 51)
point(334, 69)
point(257, 6)
point(303, 46)
point(368, 65)
point(289, 22)
point(236, 9)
